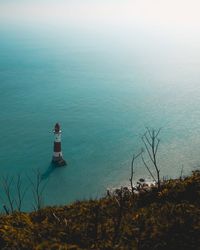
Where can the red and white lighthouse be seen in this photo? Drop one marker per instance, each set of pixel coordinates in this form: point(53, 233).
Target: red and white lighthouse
point(57, 152)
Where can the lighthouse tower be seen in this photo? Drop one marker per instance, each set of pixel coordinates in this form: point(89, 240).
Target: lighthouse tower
point(57, 152)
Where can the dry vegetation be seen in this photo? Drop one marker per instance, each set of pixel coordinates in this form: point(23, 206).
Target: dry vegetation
point(164, 218)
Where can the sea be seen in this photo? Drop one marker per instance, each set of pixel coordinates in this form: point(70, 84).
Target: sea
point(104, 87)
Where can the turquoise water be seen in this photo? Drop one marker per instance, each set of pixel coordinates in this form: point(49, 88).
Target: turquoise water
point(103, 88)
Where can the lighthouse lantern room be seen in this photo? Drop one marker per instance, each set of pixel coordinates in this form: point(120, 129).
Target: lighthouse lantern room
point(57, 152)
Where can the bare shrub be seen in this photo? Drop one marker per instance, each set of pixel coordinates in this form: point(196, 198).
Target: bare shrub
point(38, 187)
point(151, 142)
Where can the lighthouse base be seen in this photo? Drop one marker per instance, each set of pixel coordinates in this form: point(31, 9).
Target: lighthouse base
point(59, 161)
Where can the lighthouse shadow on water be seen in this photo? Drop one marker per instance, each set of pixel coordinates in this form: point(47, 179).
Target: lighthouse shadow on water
point(49, 171)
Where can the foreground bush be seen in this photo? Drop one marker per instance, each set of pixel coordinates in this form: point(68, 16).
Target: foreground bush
point(150, 219)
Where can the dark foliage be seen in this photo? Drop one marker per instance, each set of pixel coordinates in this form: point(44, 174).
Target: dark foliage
point(164, 218)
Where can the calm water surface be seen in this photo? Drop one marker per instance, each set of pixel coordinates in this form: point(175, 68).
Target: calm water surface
point(104, 89)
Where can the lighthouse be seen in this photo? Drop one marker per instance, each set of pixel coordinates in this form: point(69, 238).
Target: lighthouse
point(57, 152)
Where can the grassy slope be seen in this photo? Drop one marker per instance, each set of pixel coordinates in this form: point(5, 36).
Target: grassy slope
point(168, 219)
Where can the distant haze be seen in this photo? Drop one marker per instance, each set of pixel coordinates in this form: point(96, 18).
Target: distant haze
point(176, 15)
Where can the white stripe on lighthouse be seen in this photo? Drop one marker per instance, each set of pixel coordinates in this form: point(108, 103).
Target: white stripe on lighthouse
point(57, 154)
point(57, 137)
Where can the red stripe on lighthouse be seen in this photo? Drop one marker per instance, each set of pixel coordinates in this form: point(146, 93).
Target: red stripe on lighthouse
point(57, 147)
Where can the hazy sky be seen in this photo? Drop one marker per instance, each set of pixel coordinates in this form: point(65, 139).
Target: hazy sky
point(174, 13)
point(168, 19)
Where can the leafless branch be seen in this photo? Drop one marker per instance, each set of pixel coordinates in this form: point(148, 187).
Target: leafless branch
point(151, 142)
point(145, 164)
point(181, 175)
point(6, 185)
point(37, 189)
point(20, 193)
point(145, 144)
point(132, 170)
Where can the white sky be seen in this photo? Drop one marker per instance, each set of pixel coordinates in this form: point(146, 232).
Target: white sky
point(172, 13)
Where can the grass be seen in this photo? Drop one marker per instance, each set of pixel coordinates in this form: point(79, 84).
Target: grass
point(150, 219)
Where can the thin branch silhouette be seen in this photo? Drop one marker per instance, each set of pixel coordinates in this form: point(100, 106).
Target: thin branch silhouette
point(151, 142)
point(132, 169)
